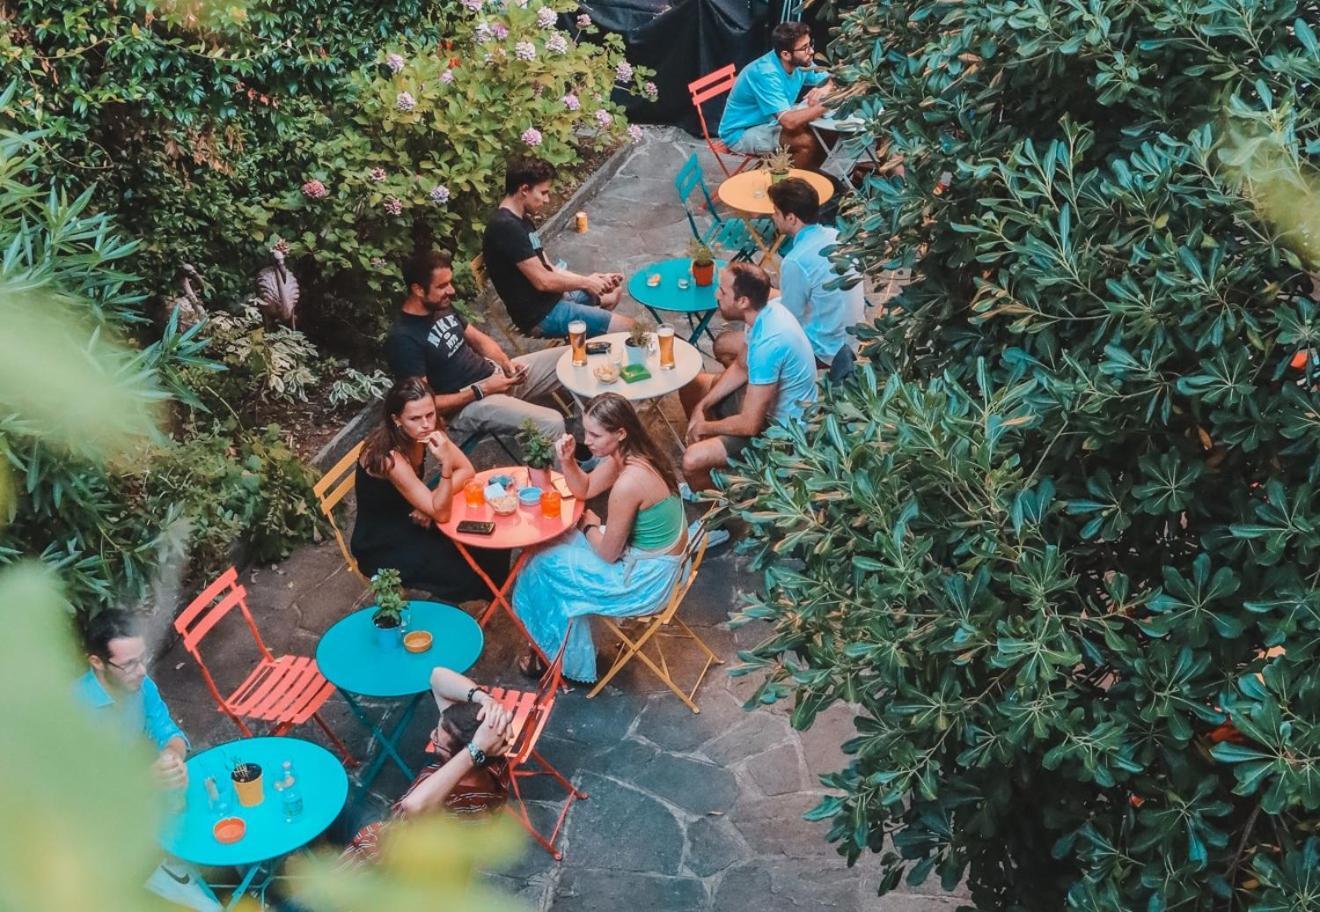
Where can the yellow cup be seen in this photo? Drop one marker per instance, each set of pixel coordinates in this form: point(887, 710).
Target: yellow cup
point(250, 792)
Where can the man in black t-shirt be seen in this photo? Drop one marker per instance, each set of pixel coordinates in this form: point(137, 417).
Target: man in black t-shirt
point(541, 299)
point(477, 386)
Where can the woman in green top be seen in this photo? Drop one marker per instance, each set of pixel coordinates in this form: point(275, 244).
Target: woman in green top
point(623, 568)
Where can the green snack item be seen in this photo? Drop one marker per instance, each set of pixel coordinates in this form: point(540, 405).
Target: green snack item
point(634, 372)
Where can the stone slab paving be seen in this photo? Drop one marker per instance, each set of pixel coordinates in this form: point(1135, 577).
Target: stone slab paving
point(687, 812)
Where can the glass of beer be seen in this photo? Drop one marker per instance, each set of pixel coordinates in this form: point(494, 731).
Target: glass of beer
point(474, 492)
point(664, 338)
point(577, 337)
point(551, 503)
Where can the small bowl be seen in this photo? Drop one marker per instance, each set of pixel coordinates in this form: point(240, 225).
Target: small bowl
point(506, 505)
point(504, 481)
point(606, 373)
point(530, 498)
point(417, 640)
point(228, 830)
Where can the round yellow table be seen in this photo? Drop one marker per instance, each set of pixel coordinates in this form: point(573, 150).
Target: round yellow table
point(746, 192)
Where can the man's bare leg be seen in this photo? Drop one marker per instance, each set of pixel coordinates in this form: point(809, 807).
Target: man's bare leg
point(702, 457)
point(804, 147)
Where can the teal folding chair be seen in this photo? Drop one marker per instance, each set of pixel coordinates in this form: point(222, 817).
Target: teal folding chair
point(791, 11)
point(732, 233)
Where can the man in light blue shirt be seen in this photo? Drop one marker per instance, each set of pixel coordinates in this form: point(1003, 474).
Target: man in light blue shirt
point(771, 381)
point(825, 313)
point(116, 686)
point(761, 114)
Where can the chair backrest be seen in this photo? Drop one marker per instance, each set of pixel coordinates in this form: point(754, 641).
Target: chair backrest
point(791, 11)
point(688, 179)
point(479, 274)
point(203, 613)
point(712, 85)
point(546, 692)
point(333, 488)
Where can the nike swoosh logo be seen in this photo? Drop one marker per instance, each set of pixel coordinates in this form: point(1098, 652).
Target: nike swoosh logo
point(183, 880)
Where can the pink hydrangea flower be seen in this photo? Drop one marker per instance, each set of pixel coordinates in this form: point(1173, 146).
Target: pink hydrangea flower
point(546, 17)
point(583, 21)
point(394, 62)
point(635, 133)
point(447, 77)
point(404, 101)
point(481, 33)
point(500, 30)
point(439, 194)
point(473, 5)
point(524, 50)
point(394, 206)
point(376, 174)
point(314, 189)
point(571, 102)
point(377, 262)
point(531, 136)
point(651, 91)
point(623, 72)
point(556, 43)
point(603, 117)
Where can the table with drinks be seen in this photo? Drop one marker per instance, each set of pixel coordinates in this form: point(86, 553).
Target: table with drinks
point(506, 509)
point(669, 285)
point(250, 803)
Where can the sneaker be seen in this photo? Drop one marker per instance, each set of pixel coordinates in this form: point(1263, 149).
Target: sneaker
point(685, 492)
point(714, 537)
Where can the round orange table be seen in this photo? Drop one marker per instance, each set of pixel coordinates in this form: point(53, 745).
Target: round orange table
point(746, 192)
point(524, 528)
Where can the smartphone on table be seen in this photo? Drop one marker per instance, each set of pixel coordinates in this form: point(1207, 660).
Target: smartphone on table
point(476, 527)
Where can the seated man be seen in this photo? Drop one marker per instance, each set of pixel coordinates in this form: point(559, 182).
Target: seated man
point(761, 114)
point(541, 299)
point(825, 313)
point(467, 778)
point(117, 687)
point(477, 386)
point(767, 382)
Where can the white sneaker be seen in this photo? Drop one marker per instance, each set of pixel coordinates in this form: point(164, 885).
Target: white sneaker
point(685, 492)
point(714, 537)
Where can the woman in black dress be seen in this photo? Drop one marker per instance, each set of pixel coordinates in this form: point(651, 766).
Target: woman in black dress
point(397, 513)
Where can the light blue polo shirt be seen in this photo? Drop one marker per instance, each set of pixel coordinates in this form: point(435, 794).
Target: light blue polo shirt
point(825, 314)
point(142, 711)
point(761, 93)
point(778, 353)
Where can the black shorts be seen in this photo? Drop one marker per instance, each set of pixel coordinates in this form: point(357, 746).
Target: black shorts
point(731, 405)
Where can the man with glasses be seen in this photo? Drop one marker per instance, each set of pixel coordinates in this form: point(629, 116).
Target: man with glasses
point(762, 112)
point(116, 686)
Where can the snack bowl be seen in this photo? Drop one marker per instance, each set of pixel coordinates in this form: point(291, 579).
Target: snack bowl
point(504, 481)
point(506, 505)
point(530, 498)
point(606, 373)
point(228, 830)
point(417, 640)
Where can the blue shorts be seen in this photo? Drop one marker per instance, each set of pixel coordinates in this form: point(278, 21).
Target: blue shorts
point(574, 305)
point(760, 139)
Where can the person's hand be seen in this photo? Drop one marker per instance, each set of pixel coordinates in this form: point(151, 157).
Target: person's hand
point(437, 443)
point(491, 735)
point(498, 383)
point(597, 284)
point(697, 429)
point(422, 519)
point(565, 447)
point(615, 279)
point(506, 366)
point(816, 95)
point(492, 709)
point(589, 518)
point(170, 770)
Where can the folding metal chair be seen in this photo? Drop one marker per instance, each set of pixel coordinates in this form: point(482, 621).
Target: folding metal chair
point(730, 232)
point(281, 691)
point(650, 630)
point(333, 487)
point(713, 85)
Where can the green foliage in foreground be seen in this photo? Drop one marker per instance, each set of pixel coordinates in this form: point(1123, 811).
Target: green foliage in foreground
point(1064, 536)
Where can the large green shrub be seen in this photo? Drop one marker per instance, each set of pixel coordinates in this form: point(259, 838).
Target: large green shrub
point(1060, 543)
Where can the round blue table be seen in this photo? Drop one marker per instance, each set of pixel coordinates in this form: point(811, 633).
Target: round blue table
point(322, 783)
point(351, 657)
point(698, 303)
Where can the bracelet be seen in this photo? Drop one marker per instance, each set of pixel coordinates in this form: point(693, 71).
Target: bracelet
point(477, 392)
point(478, 755)
point(472, 692)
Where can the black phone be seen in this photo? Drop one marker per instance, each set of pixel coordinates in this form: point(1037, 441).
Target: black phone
point(598, 348)
point(476, 527)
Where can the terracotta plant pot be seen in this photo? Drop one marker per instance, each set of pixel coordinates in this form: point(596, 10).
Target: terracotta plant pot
point(538, 478)
point(703, 273)
point(247, 784)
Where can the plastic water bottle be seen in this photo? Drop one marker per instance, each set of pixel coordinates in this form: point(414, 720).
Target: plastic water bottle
point(290, 797)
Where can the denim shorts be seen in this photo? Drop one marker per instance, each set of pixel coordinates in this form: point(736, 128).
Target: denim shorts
point(574, 305)
point(760, 138)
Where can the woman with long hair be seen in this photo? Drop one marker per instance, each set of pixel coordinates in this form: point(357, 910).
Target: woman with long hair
point(397, 513)
point(623, 568)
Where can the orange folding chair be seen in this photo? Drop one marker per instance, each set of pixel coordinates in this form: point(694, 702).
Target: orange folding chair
point(653, 628)
point(282, 692)
point(713, 85)
point(330, 490)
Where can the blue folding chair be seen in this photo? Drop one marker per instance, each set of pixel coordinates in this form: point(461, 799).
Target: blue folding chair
point(732, 233)
point(791, 11)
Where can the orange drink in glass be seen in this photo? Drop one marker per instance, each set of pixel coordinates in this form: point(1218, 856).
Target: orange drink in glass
point(551, 503)
point(474, 492)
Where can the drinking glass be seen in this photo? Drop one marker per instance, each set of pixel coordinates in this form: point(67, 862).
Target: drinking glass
point(577, 337)
point(664, 337)
point(551, 503)
point(474, 492)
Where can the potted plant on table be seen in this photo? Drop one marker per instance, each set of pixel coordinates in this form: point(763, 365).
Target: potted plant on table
point(703, 263)
point(538, 453)
point(638, 343)
point(388, 618)
point(778, 163)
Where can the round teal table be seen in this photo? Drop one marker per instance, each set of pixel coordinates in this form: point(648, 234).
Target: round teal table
point(321, 781)
point(352, 657)
point(697, 303)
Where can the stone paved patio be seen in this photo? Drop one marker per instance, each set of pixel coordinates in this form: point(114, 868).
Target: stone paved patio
point(687, 812)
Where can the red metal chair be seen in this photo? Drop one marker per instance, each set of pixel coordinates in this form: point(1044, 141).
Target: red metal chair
point(713, 85)
point(282, 692)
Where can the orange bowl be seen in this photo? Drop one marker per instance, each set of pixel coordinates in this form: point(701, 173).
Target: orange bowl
point(417, 641)
point(228, 830)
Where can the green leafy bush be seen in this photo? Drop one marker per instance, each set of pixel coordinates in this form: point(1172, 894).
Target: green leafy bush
point(1060, 543)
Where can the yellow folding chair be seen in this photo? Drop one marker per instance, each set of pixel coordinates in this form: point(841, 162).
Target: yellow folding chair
point(330, 490)
point(652, 629)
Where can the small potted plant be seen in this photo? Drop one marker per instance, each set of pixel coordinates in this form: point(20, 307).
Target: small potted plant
point(778, 163)
point(387, 589)
point(638, 343)
point(703, 263)
point(538, 453)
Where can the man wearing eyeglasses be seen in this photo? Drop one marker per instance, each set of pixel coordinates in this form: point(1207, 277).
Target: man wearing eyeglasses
point(762, 113)
point(117, 686)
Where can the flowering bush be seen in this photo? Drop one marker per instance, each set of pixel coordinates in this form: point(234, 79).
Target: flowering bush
point(424, 152)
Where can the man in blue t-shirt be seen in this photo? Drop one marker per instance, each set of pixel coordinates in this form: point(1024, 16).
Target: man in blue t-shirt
point(771, 381)
point(762, 113)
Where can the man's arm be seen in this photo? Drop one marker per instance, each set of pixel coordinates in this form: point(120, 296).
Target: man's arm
point(734, 376)
point(793, 290)
point(163, 731)
point(797, 118)
point(543, 278)
point(487, 348)
point(752, 419)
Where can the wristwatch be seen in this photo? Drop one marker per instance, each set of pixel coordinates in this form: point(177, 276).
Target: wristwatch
point(478, 755)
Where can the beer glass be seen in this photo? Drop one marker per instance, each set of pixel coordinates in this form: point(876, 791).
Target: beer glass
point(664, 337)
point(577, 337)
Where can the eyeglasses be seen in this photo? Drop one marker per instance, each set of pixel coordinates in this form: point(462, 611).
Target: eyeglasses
point(131, 665)
point(809, 46)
